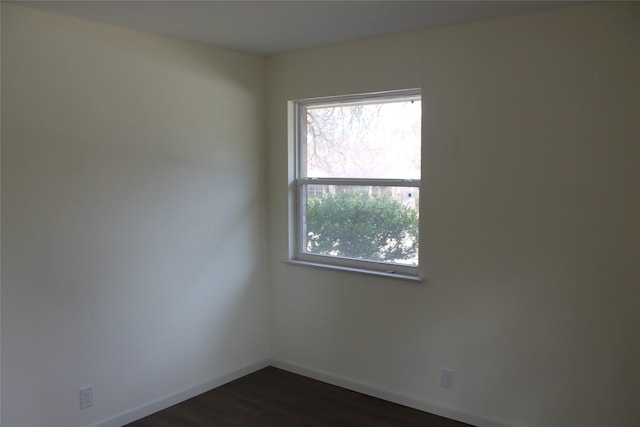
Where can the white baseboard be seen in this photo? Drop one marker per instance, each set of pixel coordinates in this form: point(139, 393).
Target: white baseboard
point(340, 381)
point(390, 396)
point(180, 396)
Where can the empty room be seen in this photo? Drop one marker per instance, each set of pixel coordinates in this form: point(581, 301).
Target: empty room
point(433, 204)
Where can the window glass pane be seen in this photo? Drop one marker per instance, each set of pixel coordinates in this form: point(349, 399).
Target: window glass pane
point(372, 223)
point(377, 139)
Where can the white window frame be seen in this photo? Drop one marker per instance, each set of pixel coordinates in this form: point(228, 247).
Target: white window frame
point(296, 253)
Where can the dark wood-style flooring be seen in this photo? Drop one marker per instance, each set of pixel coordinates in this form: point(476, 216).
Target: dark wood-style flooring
point(273, 397)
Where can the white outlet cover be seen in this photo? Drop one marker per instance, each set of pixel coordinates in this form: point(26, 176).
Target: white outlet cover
point(446, 378)
point(86, 397)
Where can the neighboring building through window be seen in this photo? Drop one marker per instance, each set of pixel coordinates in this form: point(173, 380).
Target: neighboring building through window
point(358, 181)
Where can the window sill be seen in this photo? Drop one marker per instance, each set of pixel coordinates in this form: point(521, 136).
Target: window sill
point(387, 274)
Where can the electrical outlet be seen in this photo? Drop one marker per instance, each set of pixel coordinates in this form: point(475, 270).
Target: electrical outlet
point(446, 378)
point(86, 397)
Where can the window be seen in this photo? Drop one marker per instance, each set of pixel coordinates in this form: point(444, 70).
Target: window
point(357, 182)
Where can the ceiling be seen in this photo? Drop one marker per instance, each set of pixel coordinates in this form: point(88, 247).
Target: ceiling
point(268, 27)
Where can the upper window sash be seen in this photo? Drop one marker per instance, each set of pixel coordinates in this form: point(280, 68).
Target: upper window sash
point(300, 118)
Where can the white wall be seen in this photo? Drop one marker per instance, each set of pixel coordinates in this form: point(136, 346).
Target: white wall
point(0, 210)
point(530, 222)
point(133, 220)
point(133, 217)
